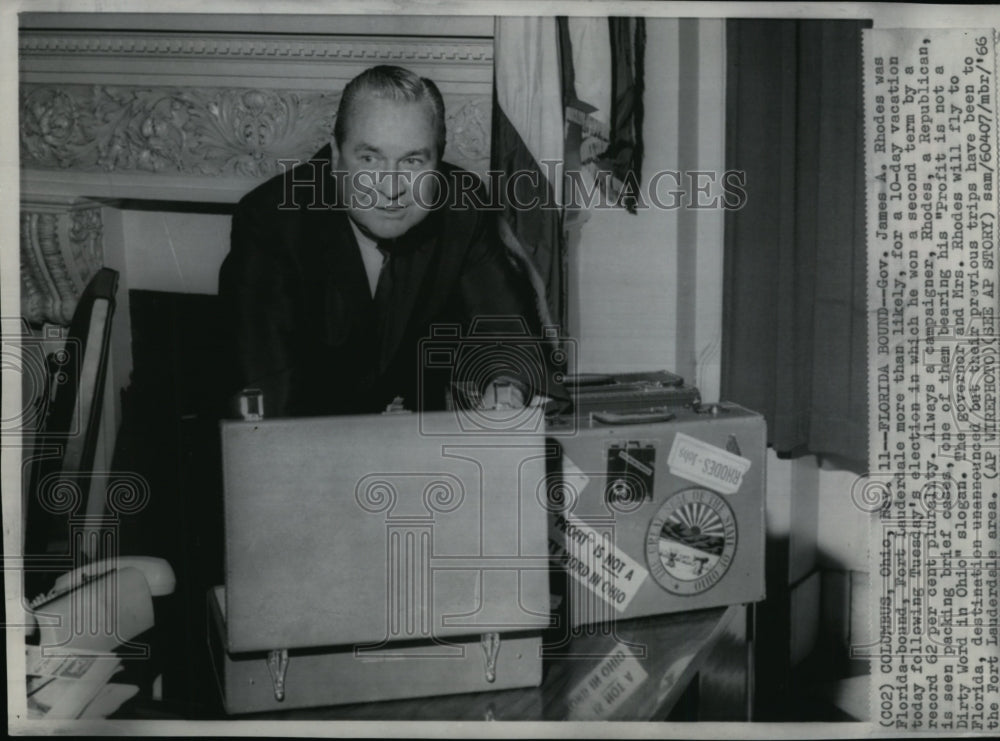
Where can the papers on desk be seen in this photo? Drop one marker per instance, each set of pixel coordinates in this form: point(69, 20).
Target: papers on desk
point(73, 685)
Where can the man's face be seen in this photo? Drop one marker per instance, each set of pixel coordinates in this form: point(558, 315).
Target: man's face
point(386, 145)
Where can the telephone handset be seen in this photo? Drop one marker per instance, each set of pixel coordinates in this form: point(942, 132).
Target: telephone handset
point(159, 576)
point(139, 579)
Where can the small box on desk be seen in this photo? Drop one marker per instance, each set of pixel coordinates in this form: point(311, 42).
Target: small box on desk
point(366, 561)
point(658, 512)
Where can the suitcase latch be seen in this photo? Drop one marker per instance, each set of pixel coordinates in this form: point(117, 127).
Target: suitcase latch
point(251, 403)
point(491, 647)
point(277, 664)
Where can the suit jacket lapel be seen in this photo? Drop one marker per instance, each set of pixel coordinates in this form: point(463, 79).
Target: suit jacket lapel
point(347, 299)
point(408, 278)
point(348, 267)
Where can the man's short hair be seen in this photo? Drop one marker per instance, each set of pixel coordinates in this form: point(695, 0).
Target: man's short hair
point(391, 83)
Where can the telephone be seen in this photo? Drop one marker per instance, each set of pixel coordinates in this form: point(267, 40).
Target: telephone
point(88, 610)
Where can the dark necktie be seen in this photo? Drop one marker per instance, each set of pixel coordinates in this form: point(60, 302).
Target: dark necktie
point(384, 287)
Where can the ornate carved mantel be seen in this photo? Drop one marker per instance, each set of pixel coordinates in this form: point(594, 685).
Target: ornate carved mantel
point(201, 132)
point(196, 115)
point(61, 250)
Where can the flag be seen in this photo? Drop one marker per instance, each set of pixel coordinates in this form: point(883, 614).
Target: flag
point(586, 73)
point(527, 148)
point(603, 79)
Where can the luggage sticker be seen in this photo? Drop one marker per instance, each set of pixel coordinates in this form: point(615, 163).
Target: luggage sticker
point(691, 541)
point(593, 560)
point(631, 467)
point(607, 686)
point(705, 464)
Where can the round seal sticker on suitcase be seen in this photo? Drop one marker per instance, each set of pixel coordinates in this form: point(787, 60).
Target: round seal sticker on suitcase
point(691, 541)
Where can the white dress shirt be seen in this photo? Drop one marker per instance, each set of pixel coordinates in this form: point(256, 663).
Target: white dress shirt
point(371, 256)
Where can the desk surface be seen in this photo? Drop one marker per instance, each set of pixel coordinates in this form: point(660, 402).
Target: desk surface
point(666, 651)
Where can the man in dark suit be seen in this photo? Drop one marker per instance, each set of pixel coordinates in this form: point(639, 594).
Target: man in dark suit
point(342, 266)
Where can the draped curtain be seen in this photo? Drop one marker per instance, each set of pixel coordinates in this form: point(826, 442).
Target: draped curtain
point(567, 96)
point(794, 313)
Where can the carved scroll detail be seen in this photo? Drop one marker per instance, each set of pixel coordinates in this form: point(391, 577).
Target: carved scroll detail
point(61, 249)
point(203, 131)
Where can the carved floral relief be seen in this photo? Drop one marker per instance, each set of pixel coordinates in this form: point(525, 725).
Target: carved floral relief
point(203, 131)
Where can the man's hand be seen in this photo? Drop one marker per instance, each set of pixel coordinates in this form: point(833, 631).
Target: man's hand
point(503, 393)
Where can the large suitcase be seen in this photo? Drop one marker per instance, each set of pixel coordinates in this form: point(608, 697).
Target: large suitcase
point(658, 512)
point(646, 391)
point(368, 561)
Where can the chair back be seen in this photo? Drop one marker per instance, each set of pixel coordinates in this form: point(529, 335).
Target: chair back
point(72, 422)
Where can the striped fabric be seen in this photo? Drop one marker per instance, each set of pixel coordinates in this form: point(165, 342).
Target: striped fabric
point(528, 140)
point(587, 72)
point(603, 71)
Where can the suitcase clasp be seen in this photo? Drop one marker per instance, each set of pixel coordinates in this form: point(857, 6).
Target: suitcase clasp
point(491, 647)
point(277, 664)
point(251, 404)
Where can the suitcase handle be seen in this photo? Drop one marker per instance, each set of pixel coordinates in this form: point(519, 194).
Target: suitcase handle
point(589, 379)
point(634, 418)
